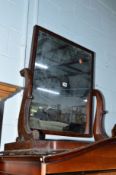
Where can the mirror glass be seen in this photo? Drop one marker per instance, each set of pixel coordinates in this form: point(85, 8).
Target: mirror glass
point(62, 82)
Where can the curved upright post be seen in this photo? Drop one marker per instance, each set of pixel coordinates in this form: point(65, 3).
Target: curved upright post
point(98, 128)
point(24, 131)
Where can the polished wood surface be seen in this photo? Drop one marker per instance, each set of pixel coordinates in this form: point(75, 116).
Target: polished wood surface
point(53, 145)
point(104, 173)
point(7, 90)
point(99, 156)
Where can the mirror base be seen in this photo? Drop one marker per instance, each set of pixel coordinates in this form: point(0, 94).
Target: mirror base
point(44, 145)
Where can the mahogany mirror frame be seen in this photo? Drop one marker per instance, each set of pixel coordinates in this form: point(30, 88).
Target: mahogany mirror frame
point(23, 126)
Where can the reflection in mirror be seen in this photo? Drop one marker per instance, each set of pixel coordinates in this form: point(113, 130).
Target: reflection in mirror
point(62, 83)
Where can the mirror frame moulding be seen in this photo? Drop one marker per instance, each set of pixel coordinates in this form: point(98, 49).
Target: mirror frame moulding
point(24, 130)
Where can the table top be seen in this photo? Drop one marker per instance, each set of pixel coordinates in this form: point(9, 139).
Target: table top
point(8, 90)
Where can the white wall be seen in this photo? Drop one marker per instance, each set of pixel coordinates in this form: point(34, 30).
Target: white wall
point(91, 23)
point(13, 18)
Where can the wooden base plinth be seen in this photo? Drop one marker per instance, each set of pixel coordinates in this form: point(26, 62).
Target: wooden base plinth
point(46, 145)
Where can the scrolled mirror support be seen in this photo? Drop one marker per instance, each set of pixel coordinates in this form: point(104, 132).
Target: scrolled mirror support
point(98, 128)
point(24, 131)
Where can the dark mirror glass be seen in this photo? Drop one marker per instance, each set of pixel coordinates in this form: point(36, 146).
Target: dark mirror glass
point(62, 82)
